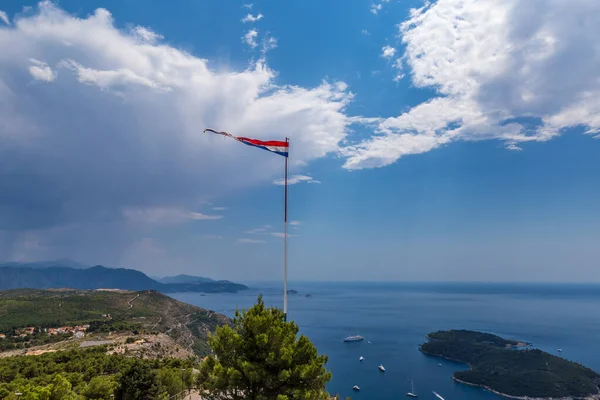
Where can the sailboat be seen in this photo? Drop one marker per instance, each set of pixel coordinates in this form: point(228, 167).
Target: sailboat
point(412, 390)
point(381, 368)
point(361, 358)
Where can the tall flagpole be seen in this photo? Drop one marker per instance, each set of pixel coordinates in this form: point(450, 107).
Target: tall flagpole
point(285, 196)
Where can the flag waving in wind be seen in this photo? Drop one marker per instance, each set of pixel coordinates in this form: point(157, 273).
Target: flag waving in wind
point(274, 146)
point(281, 148)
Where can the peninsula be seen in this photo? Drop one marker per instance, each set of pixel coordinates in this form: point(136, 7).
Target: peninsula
point(506, 368)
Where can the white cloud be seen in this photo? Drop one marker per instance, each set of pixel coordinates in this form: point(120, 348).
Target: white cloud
point(399, 66)
point(293, 179)
point(110, 78)
point(146, 34)
point(268, 43)
point(199, 216)
point(514, 147)
point(219, 208)
point(165, 216)
point(492, 62)
point(249, 241)
point(121, 123)
point(252, 18)
point(388, 52)
point(248, 6)
point(250, 38)
point(261, 230)
point(41, 71)
point(375, 8)
point(4, 17)
point(365, 32)
point(281, 234)
point(295, 223)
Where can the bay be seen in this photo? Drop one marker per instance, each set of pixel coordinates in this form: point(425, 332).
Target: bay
point(395, 317)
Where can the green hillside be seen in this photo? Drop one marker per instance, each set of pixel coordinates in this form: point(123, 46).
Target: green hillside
point(496, 363)
point(109, 310)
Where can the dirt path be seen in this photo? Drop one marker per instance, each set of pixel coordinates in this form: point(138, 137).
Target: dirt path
point(157, 322)
point(130, 302)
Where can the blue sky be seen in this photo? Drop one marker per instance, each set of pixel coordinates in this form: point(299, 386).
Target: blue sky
point(428, 145)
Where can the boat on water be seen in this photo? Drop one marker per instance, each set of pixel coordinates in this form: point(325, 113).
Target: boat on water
point(439, 365)
point(412, 390)
point(437, 395)
point(559, 350)
point(356, 338)
point(355, 387)
point(361, 358)
point(381, 368)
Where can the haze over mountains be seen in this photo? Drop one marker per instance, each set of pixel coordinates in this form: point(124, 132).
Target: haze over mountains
point(53, 274)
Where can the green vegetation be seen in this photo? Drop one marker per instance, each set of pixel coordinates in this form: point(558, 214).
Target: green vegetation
point(262, 358)
point(122, 311)
point(38, 338)
point(91, 374)
point(496, 364)
point(259, 357)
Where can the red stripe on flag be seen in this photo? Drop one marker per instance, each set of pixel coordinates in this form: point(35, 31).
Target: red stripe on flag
point(274, 143)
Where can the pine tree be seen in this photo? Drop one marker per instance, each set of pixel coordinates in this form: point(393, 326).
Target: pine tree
point(262, 358)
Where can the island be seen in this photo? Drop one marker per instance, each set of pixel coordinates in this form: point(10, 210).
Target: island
point(512, 368)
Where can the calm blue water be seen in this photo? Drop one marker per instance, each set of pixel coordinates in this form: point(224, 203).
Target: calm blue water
point(395, 317)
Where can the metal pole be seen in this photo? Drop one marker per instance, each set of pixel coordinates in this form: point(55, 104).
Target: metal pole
point(285, 237)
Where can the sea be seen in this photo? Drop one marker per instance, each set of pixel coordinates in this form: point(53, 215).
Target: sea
point(395, 317)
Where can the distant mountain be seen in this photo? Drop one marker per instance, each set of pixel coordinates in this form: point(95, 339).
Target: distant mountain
point(187, 279)
point(100, 277)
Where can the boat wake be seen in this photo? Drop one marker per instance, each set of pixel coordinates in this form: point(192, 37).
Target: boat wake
point(438, 396)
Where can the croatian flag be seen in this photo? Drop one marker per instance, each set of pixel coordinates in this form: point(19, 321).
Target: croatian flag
point(274, 146)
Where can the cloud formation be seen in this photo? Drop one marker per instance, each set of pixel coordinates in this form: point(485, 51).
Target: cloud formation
point(162, 216)
point(113, 136)
point(535, 60)
point(294, 179)
point(249, 241)
point(250, 38)
point(252, 18)
point(375, 8)
point(4, 17)
point(41, 71)
point(388, 51)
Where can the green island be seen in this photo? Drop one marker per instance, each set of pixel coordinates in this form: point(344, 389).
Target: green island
point(506, 368)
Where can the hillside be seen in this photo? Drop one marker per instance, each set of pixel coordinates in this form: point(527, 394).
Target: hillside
point(100, 277)
point(147, 311)
point(499, 365)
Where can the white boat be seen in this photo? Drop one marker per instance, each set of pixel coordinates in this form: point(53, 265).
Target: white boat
point(356, 338)
point(412, 390)
point(381, 368)
point(439, 365)
point(437, 395)
point(559, 350)
point(355, 387)
point(361, 358)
